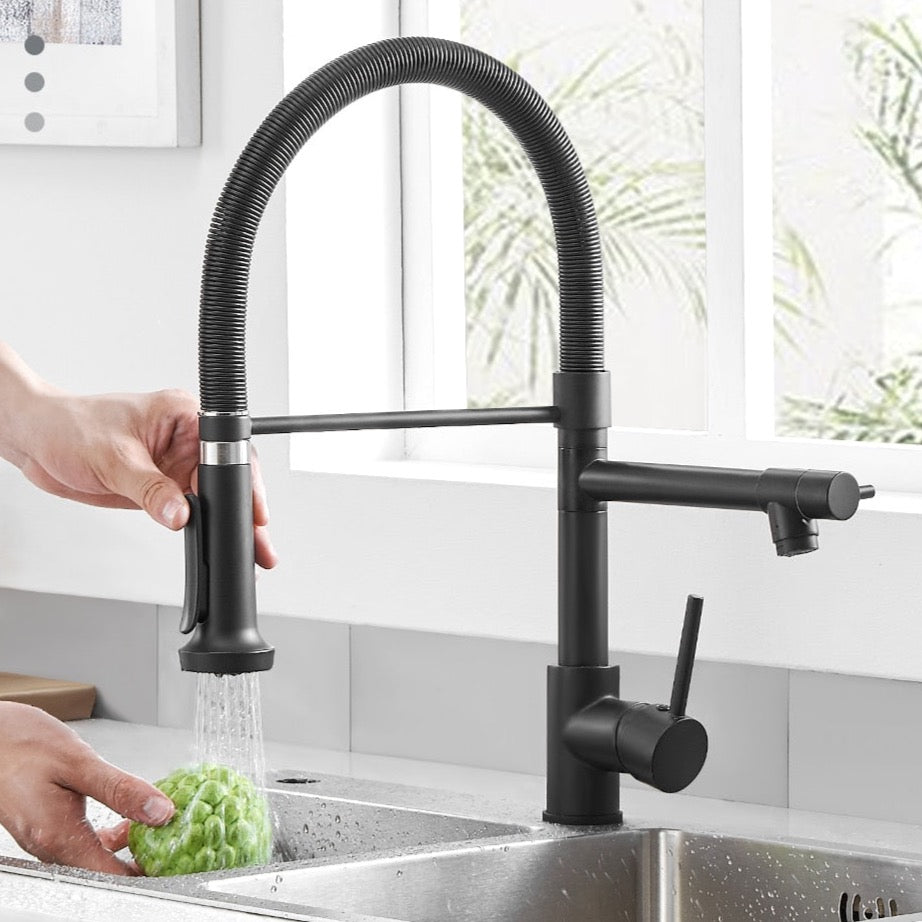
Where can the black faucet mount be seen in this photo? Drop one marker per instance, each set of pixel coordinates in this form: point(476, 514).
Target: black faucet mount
point(593, 735)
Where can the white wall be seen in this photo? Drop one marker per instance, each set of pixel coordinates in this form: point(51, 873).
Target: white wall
point(101, 253)
point(101, 257)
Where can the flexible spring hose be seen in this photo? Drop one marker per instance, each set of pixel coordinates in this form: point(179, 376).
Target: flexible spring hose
point(222, 318)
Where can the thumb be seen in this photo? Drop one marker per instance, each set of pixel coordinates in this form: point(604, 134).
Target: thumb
point(139, 479)
point(128, 795)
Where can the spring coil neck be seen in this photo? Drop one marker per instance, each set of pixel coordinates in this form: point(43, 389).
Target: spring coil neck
point(229, 249)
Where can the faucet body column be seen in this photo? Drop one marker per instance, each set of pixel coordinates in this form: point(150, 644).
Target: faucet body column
point(579, 793)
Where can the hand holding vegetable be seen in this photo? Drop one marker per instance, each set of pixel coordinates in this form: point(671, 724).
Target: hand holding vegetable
point(46, 774)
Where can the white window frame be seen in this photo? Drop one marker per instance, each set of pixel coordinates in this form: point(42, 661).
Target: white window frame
point(738, 161)
point(343, 245)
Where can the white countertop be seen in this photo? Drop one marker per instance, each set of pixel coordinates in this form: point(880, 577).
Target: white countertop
point(153, 751)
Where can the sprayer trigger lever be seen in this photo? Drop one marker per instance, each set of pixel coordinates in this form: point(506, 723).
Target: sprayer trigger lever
point(195, 602)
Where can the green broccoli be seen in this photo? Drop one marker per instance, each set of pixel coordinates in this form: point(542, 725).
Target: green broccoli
point(221, 821)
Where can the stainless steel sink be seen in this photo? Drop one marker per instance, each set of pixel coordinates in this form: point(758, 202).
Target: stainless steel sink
point(651, 875)
point(360, 851)
point(315, 819)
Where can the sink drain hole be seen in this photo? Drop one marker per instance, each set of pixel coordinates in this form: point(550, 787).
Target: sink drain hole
point(298, 781)
point(853, 909)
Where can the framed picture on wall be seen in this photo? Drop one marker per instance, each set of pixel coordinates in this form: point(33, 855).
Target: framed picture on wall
point(112, 73)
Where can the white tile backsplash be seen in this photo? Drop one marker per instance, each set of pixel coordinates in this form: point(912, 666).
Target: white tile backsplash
point(814, 741)
point(856, 746)
point(112, 645)
point(441, 698)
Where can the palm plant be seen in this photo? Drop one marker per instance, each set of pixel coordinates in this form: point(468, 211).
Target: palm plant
point(889, 409)
point(887, 63)
point(798, 284)
point(650, 210)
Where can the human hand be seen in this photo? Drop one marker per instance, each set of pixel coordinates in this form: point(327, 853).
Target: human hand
point(116, 450)
point(46, 774)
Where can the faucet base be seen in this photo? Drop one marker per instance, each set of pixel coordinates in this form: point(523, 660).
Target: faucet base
point(578, 794)
point(611, 819)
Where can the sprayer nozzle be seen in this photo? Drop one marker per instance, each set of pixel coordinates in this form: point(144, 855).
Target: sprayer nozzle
point(791, 532)
point(200, 656)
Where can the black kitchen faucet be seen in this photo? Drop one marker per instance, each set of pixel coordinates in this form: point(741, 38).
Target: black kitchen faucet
point(593, 735)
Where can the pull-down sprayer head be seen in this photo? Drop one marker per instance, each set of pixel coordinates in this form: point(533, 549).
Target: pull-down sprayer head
point(220, 603)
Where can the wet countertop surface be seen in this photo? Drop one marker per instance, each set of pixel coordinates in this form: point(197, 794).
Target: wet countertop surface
point(153, 751)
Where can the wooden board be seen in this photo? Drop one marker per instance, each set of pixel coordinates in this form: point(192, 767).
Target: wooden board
point(64, 700)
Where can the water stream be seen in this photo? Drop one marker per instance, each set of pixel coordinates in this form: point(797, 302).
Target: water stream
point(228, 724)
point(229, 732)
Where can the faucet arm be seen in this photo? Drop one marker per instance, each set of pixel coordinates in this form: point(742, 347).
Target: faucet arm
point(793, 499)
point(403, 419)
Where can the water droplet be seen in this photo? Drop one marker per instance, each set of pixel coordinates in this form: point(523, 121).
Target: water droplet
point(337, 819)
point(273, 889)
point(399, 873)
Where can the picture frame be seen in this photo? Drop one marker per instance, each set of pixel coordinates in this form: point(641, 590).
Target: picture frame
point(105, 73)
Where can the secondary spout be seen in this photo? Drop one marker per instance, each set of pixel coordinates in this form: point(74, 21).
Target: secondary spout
point(792, 499)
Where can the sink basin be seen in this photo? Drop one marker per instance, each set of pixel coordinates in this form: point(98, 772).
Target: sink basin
point(650, 875)
point(314, 821)
point(365, 851)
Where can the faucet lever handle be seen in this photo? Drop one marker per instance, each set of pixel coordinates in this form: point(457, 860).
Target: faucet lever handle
point(686, 659)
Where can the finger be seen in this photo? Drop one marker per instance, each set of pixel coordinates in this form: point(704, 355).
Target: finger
point(132, 473)
point(260, 503)
point(88, 852)
point(72, 840)
point(91, 854)
point(265, 552)
point(115, 838)
point(127, 795)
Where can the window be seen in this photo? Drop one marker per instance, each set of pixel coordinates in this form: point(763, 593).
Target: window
point(627, 82)
point(343, 241)
point(848, 219)
point(743, 329)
